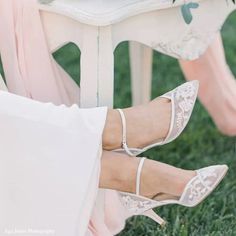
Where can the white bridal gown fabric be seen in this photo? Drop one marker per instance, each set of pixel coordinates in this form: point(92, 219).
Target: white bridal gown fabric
point(50, 152)
point(49, 166)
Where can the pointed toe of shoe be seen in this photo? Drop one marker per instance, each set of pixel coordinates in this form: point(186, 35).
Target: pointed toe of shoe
point(203, 184)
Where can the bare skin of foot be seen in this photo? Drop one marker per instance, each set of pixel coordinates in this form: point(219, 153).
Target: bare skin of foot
point(158, 180)
point(145, 124)
point(217, 90)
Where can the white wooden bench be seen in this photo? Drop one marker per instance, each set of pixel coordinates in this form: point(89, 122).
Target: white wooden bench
point(98, 26)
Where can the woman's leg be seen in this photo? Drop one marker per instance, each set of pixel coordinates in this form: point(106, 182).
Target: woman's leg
point(119, 172)
point(217, 90)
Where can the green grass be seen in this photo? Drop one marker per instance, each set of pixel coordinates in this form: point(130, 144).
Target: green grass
point(200, 145)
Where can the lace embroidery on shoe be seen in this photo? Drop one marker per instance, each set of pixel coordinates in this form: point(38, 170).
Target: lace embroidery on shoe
point(199, 186)
point(184, 99)
point(134, 204)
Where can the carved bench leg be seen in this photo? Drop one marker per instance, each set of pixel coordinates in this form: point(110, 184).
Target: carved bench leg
point(97, 67)
point(141, 72)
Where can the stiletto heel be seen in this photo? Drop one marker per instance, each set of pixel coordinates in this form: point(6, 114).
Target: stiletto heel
point(195, 191)
point(152, 215)
point(183, 99)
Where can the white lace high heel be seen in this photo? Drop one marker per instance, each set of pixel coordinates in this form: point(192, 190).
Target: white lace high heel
point(196, 190)
point(182, 99)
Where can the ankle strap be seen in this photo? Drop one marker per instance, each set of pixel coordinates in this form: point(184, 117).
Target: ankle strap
point(124, 142)
point(138, 176)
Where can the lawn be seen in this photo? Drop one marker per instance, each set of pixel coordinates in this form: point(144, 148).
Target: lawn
point(200, 145)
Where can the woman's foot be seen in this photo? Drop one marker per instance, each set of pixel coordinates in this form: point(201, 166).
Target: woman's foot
point(158, 122)
point(217, 90)
point(145, 184)
point(158, 180)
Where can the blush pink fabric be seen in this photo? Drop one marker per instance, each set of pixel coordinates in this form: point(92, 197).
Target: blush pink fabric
point(31, 71)
point(29, 68)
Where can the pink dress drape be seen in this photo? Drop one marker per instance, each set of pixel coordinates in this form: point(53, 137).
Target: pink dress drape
point(55, 137)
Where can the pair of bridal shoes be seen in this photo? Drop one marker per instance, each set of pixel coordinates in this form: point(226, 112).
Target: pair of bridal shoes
point(182, 99)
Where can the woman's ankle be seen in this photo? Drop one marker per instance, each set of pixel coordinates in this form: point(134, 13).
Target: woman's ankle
point(118, 172)
point(136, 122)
point(112, 134)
